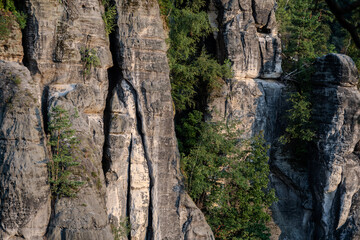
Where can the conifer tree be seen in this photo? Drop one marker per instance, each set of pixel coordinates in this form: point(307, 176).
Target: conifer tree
point(64, 147)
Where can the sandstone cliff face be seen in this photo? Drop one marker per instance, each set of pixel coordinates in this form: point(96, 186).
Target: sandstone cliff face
point(335, 166)
point(129, 160)
point(248, 37)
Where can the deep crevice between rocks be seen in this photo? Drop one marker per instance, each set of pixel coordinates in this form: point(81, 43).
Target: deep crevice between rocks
point(115, 77)
point(29, 36)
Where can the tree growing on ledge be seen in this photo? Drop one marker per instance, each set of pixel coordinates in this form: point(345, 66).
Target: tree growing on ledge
point(64, 146)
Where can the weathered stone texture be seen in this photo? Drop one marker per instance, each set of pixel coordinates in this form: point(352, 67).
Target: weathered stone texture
point(335, 167)
point(132, 141)
point(317, 201)
point(141, 147)
point(247, 37)
point(24, 193)
point(54, 38)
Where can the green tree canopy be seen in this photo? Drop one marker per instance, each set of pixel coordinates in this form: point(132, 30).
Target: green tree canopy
point(228, 179)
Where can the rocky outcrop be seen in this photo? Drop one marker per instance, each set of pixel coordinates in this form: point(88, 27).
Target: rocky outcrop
point(335, 167)
point(316, 198)
point(54, 39)
point(25, 194)
point(247, 36)
point(129, 161)
point(141, 148)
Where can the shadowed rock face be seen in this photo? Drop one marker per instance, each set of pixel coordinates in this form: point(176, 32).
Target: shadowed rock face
point(129, 158)
point(319, 199)
point(335, 167)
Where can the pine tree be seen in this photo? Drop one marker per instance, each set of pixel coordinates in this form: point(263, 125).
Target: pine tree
point(64, 146)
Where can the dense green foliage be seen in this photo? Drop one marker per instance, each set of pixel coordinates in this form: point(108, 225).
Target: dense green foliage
point(305, 34)
point(347, 14)
point(299, 127)
point(194, 72)
point(90, 59)
point(309, 30)
point(9, 14)
point(228, 180)
point(63, 142)
point(6, 20)
point(109, 16)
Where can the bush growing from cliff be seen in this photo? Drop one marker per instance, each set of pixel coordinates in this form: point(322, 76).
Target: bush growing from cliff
point(109, 16)
point(8, 6)
point(64, 147)
point(90, 59)
point(228, 180)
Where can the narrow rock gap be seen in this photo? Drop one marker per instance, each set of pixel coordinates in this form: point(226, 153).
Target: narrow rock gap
point(113, 74)
point(114, 77)
point(253, 12)
point(220, 42)
point(30, 35)
point(44, 108)
point(262, 68)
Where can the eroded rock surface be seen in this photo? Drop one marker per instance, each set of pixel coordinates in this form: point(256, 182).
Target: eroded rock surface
point(335, 168)
point(316, 200)
point(248, 37)
point(24, 192)
point(141, 148)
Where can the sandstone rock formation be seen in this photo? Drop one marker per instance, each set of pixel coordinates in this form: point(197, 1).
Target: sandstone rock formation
point(248, 38)
point(24, 200)
point(318, 198)
point(129, 160)
point(335, 167)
